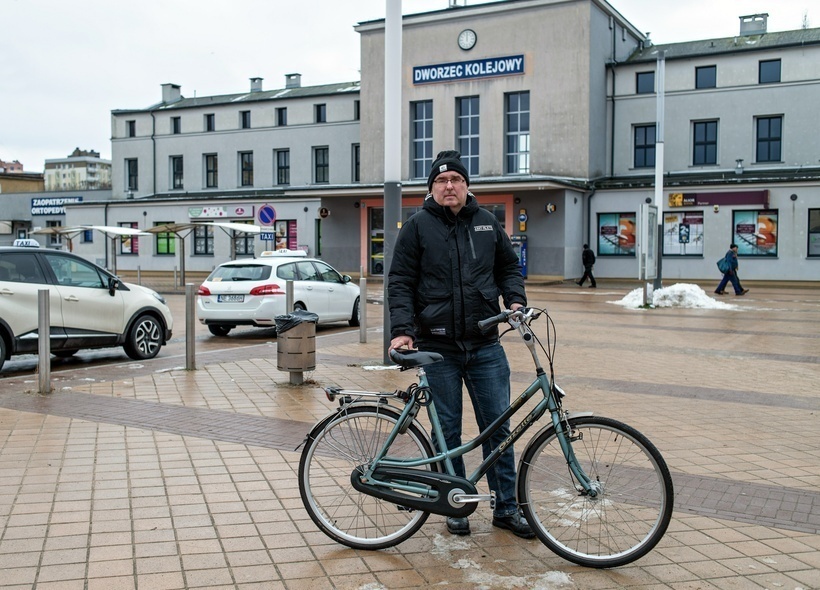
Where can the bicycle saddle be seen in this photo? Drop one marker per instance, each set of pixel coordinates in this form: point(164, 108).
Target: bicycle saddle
point(407, 358)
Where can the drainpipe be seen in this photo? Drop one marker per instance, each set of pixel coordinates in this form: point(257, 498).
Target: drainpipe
point(154, 151)
point(589, 196)
point(105, 239)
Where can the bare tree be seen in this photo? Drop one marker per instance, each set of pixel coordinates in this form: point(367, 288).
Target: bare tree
point(806, 24)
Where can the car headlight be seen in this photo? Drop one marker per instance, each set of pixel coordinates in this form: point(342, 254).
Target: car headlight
point(159, 297)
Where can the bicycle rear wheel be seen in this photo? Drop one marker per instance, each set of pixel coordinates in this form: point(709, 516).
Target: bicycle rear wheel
point(625, 521)
point(333, 449)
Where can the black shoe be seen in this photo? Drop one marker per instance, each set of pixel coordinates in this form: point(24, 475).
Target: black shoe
point(721, 292)
point(515, 523)
point(743, 292)
point(579, 283)
point(593, 286)
point(458, 526)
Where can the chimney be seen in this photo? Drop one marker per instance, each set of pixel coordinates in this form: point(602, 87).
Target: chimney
point(256, 84)
point(753, 24)
point(171, 93)
point(293, 80)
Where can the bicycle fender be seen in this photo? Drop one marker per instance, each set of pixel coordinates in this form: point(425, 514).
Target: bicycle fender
point(571, 416)
point(320, 425)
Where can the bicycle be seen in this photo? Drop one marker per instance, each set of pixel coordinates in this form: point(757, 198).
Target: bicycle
point(595, 491)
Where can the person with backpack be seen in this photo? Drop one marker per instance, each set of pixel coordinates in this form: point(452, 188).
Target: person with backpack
point(588, 260)
point(729, 268)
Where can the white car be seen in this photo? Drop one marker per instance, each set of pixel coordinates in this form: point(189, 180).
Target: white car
point(88, 306)
point(251, 292)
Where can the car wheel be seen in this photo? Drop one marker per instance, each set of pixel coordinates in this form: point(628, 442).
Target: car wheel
point(299, 306)
point(218, 330)
point(2, 351)
point(355, 317)
point(64, 354)
point(145, 338)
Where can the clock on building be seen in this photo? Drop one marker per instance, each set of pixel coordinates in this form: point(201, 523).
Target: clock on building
point(467, 39)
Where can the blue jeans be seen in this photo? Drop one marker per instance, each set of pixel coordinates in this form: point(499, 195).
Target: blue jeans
point(486, 373)
point(729, 277)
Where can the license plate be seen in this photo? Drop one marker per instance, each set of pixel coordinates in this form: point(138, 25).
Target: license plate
point(230, 298)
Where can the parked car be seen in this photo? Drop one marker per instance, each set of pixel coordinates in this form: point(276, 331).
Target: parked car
point(251, 292)
point(89, 307)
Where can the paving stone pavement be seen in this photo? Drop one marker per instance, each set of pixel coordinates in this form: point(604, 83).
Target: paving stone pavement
point(180, 479)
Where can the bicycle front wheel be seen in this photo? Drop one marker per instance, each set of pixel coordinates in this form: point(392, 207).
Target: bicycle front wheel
point(624, 521)
point(333, 450)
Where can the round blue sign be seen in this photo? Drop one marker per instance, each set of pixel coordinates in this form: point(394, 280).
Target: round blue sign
point(266, 215)
point(522, 218)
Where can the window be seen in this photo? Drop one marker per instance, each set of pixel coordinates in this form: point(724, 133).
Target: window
point(321, 165)
point(355, 159)
point(176, 125)
point(467, 127)
point(357, 112)
point(246, 168)
point(176, 172)
point(282, 116)
point(706, 77)
point(644, 146)
point(814, 232)
point(705, 143)
point(769, 71)
point(211, 171)
point(755, 232)
point(421, 130)
point(54, 239)
point(129, 244)
point(88, 236)
point(683, 233)
point(245, 119)
point(616, 234)
point(204, 240)
point(645, 82)
point(769, 139)
point(164, 242)
point(210, 124)
point(320, 113)
point(131, 175)
point(243, 242)
point(130, 128)
point(517, 123)
point(282, 167)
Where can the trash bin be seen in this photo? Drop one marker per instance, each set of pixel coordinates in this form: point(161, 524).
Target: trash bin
point(296, 342)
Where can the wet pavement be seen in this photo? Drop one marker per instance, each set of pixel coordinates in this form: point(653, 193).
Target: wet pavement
point(158, 477)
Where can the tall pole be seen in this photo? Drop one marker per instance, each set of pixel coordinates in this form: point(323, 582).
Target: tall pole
point(392, 145)
point(659, 78)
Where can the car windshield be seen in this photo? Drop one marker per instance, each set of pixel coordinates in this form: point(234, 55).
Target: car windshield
point(241, 272)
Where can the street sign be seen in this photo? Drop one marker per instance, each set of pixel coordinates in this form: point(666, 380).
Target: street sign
point(267, 236)
point(266, 215)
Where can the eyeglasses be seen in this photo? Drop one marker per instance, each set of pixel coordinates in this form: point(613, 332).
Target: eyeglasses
point(454, 181)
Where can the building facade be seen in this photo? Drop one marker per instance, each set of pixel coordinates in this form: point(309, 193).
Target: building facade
point(553, 106)
point(80, 170)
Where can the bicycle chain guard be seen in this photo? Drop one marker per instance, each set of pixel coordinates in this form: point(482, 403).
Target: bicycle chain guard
point(441, 489)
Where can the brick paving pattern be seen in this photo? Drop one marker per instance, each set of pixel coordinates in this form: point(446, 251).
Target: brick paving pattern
point(177, 479)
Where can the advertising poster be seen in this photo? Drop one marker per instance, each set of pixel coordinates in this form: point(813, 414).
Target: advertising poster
point(755, 233)
point(683, 233)
point(616, 234)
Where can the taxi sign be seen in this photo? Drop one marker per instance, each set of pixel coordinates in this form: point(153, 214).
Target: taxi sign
point(284, 253)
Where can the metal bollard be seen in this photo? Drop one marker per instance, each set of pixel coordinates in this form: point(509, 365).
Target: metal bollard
point(44, 341)
point(288, 296)
point(363, 310)
point(190, 327)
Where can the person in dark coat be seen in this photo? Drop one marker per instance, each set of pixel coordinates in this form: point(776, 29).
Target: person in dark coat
point(588, 260)
point(451, 263)
point(730, 276)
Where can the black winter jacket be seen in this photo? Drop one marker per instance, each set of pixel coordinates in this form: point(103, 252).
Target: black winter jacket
point(447, 273)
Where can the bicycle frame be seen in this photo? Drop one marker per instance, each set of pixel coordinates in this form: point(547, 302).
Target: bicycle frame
point(550, 402)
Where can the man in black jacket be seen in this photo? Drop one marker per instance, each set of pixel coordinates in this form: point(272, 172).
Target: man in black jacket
point(451, 262)
point(588, 260)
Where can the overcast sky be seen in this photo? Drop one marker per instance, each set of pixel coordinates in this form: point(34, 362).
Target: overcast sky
point(67, 65)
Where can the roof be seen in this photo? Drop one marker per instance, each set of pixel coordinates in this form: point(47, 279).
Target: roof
point(251, 97)
point(740, 43)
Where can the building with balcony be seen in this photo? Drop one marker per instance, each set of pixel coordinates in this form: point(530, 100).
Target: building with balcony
point(80, 170)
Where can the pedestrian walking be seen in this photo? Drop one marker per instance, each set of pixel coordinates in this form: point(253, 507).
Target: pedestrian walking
point(730, 266)
point(588, 260)
point(451, 263)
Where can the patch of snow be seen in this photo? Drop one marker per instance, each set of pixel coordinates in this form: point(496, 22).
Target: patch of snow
point(677, 295)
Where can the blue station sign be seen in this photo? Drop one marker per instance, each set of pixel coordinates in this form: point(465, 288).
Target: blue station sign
point(468, 70)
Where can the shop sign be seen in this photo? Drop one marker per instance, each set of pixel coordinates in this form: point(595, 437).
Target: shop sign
point(52, 205)
point(708, 199)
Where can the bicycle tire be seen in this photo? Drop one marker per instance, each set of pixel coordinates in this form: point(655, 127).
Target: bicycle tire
point(333, 449)
point(625, 521)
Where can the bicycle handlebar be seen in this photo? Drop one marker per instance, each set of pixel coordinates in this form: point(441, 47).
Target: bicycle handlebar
point(495, 320)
